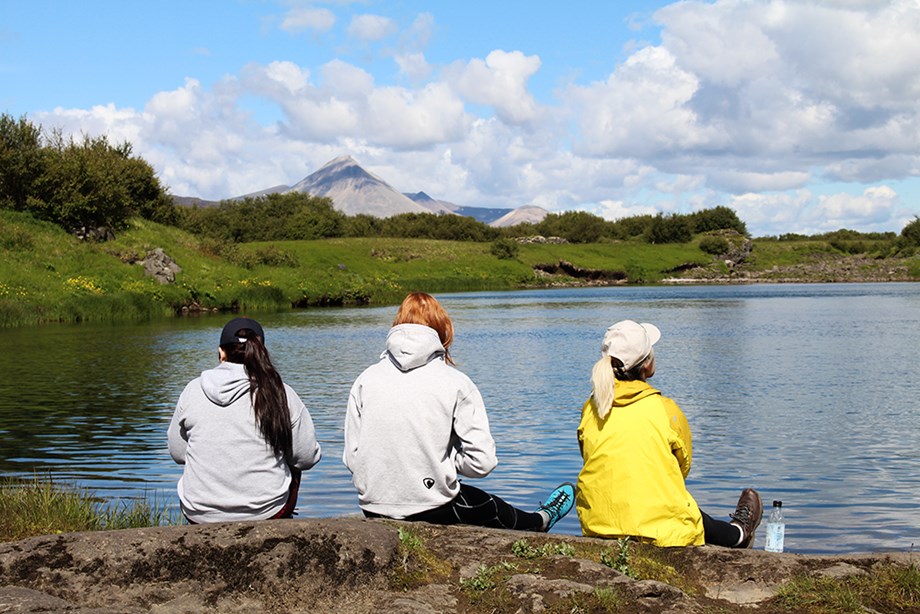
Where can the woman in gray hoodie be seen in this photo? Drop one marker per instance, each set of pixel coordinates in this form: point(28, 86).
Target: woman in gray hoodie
point(414, 423)
point(242, 434)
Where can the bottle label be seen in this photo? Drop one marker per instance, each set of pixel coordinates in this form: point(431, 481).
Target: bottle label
point(776, 533)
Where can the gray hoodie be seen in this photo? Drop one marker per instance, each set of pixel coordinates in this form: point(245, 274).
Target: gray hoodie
point(231, 473)
point(412, 425)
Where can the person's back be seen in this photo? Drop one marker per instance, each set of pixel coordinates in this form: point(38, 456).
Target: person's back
point(421, 423)
point(414, 424)
point(632, 483)
point(637, 451)
point(242, 435)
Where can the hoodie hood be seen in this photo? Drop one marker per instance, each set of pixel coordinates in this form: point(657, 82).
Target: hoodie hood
point(626, 392)
point(410, 346)
point(225, 383)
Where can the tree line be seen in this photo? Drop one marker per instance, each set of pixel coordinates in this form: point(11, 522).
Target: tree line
point(295, 215)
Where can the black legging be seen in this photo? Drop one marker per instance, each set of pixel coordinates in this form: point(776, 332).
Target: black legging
point(477, 507)
point(719, 532)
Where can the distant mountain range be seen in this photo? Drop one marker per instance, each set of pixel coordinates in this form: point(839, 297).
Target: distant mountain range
point(354, 190)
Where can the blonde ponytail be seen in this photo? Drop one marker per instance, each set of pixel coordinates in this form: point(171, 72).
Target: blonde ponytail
point(602, 381)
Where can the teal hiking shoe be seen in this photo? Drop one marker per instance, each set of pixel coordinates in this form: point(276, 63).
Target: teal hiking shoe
point(559, 504)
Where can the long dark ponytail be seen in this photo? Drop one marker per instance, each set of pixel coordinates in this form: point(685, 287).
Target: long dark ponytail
point(269, 400)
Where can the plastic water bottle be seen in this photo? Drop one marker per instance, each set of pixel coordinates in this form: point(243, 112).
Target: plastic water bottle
point(776, 528)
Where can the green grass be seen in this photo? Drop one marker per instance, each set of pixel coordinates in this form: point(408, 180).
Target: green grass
point(46, 275)
point(418, 565)
point(42, 507)
point(889, 588)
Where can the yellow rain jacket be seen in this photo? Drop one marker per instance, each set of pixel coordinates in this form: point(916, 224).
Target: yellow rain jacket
point(635, 462)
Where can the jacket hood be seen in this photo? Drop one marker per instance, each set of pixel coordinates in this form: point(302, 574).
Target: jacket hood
point(225, 383)
point(410, 346)
point(630, 391)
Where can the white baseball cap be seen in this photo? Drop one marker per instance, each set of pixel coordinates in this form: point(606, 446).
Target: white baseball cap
point(630, 342)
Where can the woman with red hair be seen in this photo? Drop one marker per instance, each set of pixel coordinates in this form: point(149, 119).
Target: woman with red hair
point(415, 423)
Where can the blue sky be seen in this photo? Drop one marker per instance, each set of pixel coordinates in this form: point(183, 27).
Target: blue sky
point(803, 116)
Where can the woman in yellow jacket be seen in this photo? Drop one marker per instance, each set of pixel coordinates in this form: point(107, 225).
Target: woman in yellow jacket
point(637, 450)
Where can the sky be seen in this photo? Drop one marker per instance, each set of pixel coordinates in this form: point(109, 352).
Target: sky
point(802, 116)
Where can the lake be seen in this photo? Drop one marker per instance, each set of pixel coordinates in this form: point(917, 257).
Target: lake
point(805, 392)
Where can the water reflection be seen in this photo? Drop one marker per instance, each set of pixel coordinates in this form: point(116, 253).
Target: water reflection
point(805, 392)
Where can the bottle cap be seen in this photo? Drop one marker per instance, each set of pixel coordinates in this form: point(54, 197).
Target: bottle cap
point(777, 504)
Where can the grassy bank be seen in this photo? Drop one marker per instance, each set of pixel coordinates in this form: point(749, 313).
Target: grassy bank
point(46, 275)
point(41, 507)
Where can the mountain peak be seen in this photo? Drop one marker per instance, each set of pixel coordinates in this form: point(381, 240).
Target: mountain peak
point(354, 190)
point(341, 160)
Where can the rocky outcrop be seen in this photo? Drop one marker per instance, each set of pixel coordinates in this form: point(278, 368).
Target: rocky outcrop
point(160, 266)
point(541, 240)
point(350, 565)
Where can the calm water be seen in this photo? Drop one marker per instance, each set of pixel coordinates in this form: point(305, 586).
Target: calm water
point(806, 392)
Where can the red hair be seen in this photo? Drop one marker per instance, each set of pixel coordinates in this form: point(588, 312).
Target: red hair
point(424, 309)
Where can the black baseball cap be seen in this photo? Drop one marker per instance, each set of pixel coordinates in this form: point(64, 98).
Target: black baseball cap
point(234, 326)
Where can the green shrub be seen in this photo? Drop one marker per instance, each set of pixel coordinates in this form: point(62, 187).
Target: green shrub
point(715, 245)
point(669, 229)
point(910, 234)
point(505, 249)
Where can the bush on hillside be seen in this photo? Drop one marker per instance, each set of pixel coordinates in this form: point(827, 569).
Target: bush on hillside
point(505, 249)
point(273, 217)
point(669, 229)
point(717, 218)
point(88, 186)
point(715, 245)
point(574, 226)
point(910, 234)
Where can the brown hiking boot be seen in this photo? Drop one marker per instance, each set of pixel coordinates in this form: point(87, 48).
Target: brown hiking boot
point(747, 515)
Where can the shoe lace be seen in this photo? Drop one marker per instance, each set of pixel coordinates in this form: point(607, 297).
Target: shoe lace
point(743, 515)
point(554, 506)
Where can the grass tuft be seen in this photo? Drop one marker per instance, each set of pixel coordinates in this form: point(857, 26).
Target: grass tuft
point(888, 588)
point(41, 507)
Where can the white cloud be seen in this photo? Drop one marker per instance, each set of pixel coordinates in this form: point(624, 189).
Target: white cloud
point(404, 119)
point(618, 209)
point(346, 80)
point(501, 82)
point(301, 18)
point(877, 208)
point(874, 205)
point(413, 65)
point(741, 181)
point(680, 183)
point(641, 110)
point(371, 28)
point(419, 33)
point(772, 213)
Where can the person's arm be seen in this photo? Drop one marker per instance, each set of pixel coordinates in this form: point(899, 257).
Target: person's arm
point(587, 407)
point(176, 435)
point(475, 456)
point(682, 443)
point(304, 445)
point(352, 427)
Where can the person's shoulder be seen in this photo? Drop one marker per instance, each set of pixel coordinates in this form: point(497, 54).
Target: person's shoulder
point(290, 392)
point(670, 404)
point(454, 372)
point(192, 387)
